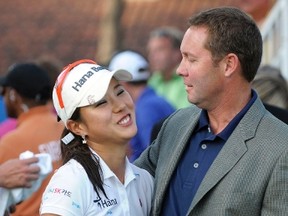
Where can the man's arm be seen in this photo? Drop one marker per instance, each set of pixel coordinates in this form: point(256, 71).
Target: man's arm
point(19, 173)
point(276, 196)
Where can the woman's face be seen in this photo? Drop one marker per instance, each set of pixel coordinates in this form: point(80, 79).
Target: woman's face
point(111, 120)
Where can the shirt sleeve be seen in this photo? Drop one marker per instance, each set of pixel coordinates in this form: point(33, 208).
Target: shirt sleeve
point(66, 193)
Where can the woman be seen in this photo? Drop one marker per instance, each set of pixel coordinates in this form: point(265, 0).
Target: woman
point(96, 178)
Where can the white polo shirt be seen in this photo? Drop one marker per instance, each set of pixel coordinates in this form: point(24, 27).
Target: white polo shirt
point(71, 193)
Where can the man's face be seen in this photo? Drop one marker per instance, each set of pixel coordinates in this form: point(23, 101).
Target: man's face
point(161, 54)
point(203, 80)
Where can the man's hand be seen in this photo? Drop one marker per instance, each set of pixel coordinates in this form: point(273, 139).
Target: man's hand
point(19, 173)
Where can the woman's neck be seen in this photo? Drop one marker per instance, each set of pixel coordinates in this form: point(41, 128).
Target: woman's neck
point(115, 159)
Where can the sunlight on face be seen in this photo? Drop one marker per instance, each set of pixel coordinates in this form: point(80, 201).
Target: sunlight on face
point(112, 119)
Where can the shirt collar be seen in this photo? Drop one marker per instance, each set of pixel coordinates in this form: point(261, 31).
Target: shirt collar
point(203, 120)
point(108, 173)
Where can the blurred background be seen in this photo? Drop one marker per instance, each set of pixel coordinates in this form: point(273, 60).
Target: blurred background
point(69, 30)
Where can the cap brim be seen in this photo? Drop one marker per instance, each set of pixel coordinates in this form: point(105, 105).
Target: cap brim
point(122, 75)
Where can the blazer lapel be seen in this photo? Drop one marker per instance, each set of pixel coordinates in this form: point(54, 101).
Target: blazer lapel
point(232, 151)
point(223, 163)
point(181, 139)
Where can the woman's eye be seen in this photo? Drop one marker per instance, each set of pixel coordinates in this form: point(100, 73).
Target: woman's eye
point(99, 103)
point(121, 91)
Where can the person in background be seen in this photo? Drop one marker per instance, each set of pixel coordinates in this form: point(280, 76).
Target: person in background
point(26, 91)
point(8, 123)
point(17, 173)
point(53, 67)
point(164, 56)
point(271, 86)
point(149, 107)
point(100, 120)
point(3, 114)
point(227, 155)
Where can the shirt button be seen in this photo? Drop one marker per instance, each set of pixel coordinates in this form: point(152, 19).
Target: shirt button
point(203, 146)
point(196, 165)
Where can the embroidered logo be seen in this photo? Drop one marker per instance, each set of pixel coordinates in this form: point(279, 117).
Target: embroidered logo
point(90, 99)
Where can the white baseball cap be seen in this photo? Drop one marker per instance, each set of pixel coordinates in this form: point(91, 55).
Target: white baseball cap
point(133, 62)
point(80, 84)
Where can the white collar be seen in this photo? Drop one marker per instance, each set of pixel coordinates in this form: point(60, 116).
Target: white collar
point(108, 173)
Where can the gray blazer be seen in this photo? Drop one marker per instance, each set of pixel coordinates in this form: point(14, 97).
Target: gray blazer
point(249, 176)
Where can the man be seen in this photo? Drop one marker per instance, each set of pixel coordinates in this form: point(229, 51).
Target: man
point(149, 107)
point(26, 91)
point(164, 56)
point(53, 68)
point(227, 155)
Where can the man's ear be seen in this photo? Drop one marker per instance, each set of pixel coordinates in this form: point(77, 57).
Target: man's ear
point(75, 127)
point(12, 96)
point(231, 64)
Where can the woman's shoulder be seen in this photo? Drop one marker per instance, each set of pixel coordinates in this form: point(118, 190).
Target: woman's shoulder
point(72, 169)
point(72, 177)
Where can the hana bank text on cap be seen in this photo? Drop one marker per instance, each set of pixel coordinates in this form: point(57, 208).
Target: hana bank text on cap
point(82, 83)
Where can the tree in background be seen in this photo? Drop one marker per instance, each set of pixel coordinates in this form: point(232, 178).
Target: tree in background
point(110, 30)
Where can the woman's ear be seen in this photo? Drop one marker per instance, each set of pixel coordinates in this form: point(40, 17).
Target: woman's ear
point(75, 127)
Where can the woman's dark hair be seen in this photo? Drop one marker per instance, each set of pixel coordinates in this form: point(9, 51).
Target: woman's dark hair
point(82, 154)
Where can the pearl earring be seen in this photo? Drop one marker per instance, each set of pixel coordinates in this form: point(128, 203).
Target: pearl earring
point(84, 141)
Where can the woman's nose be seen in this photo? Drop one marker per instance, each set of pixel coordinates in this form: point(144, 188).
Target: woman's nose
point(118, 105)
